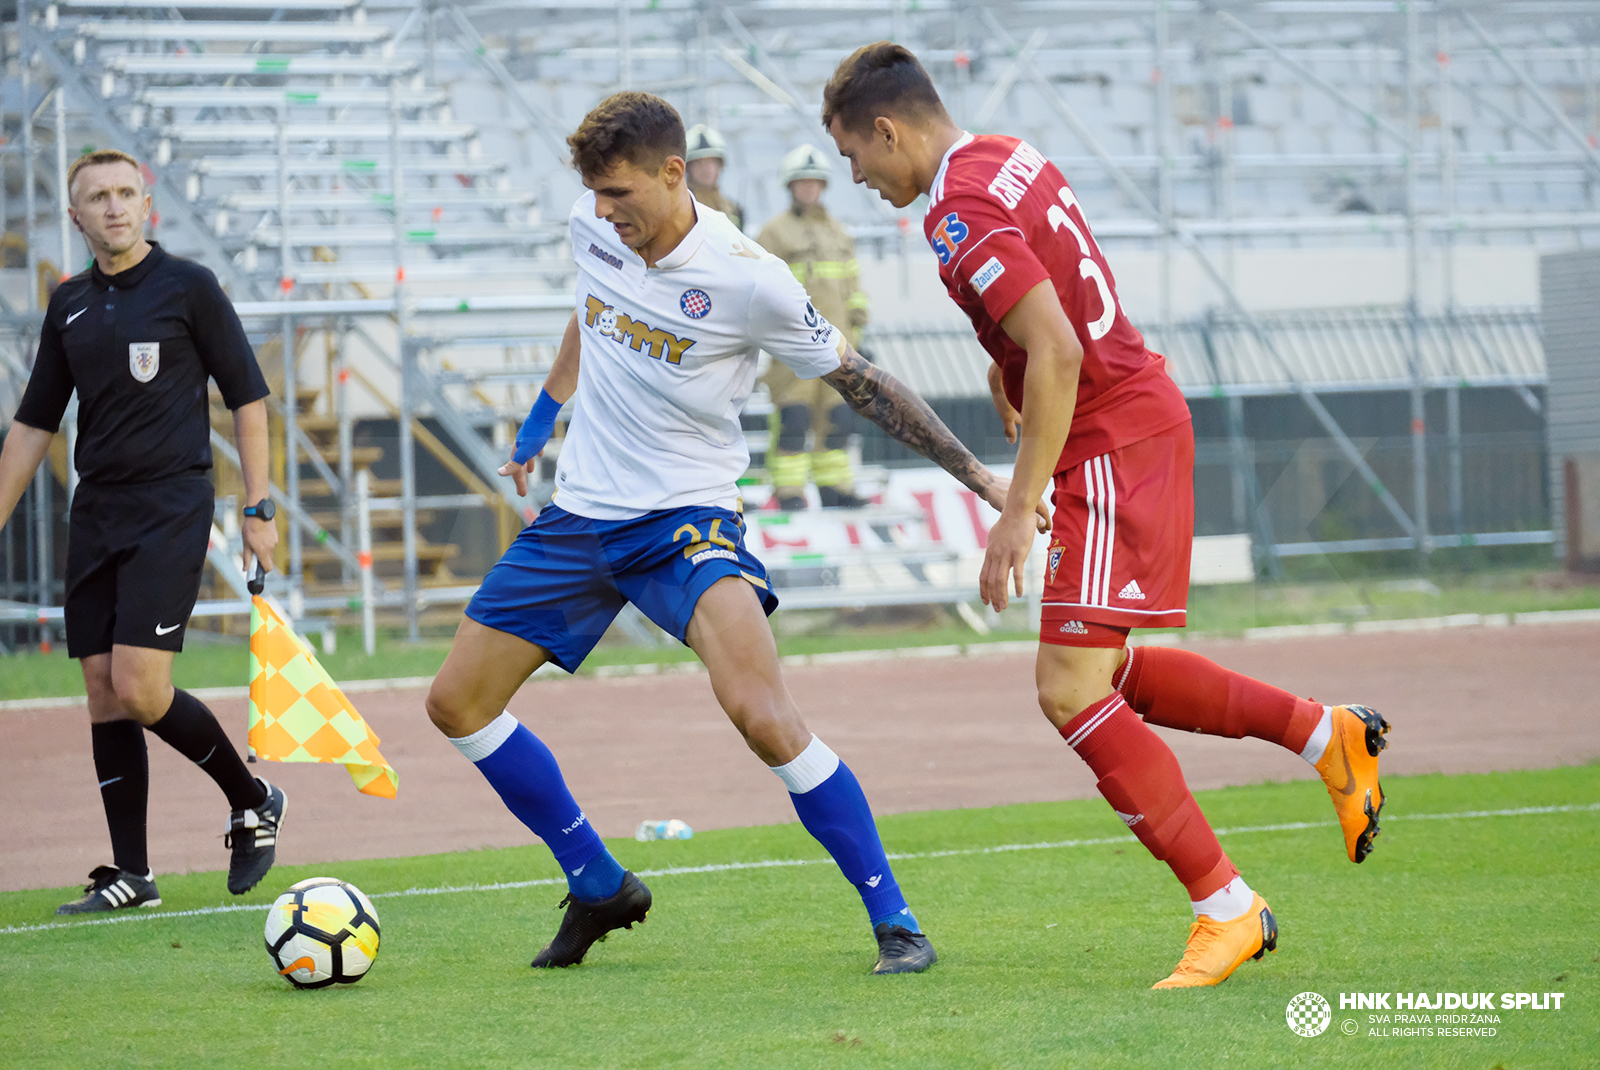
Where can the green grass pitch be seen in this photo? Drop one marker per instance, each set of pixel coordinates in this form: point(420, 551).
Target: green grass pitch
point(1046, 954)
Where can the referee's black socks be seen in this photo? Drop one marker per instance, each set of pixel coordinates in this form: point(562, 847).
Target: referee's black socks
point(192, 730)
point(122, 765)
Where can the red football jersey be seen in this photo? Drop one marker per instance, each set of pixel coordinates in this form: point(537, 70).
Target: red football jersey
point(1002, 220)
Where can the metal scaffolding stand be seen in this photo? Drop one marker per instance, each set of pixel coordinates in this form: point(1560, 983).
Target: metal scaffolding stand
point(310, 153)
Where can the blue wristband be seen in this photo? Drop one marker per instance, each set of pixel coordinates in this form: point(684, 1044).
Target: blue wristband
point(536, 428)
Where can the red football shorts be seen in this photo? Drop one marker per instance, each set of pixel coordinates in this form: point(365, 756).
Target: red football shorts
point(1120, 543)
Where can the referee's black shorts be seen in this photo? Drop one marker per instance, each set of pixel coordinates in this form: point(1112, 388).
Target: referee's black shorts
point(134, 556)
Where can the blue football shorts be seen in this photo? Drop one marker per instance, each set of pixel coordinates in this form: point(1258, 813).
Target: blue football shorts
point(566, 577)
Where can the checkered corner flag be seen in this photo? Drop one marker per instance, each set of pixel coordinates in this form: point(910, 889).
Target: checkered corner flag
point(297, 712)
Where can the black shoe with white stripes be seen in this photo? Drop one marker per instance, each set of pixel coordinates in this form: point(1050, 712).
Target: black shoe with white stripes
point(111, 888)
point(253, 835)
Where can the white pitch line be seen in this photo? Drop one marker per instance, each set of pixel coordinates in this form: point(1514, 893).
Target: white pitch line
point(729, 867)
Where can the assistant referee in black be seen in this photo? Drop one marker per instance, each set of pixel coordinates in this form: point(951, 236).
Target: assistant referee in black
point(137, 336)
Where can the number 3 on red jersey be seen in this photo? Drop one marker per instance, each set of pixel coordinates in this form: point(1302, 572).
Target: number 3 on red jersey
point(1087, 268)
point(1003, 220)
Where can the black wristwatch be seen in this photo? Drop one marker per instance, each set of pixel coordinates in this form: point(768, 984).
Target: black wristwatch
point(262, 510)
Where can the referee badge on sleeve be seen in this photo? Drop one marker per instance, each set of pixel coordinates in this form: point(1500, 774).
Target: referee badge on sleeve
point(144, 360)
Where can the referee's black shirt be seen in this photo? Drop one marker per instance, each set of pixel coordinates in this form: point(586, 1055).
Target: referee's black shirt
point(138, 346)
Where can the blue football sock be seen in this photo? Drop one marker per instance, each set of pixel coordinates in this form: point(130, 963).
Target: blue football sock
point(521, 768)
point(597, 879)
point(905, 919)
point(833, 808)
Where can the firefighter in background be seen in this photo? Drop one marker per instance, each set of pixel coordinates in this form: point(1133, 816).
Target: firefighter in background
point(822, 256)
point(708, 151)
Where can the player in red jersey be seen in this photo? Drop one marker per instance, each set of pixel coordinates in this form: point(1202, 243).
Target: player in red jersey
point(1100, 416)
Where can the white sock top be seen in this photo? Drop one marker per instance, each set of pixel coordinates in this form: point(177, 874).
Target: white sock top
point(486, 740)
point(813, 765)
point(1317, 745)
point(1227, 903)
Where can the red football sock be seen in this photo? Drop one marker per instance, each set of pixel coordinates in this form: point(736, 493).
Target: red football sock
point(1139, 776)
point(1179, 689)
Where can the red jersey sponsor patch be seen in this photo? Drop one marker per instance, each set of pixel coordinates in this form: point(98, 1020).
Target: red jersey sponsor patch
point(947, 236)
point(1020, 225)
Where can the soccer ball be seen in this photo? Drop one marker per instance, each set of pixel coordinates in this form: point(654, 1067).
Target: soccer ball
point(322, 931)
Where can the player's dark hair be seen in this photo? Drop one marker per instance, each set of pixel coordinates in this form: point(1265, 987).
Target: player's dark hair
point(882, 78)
point(640, 128)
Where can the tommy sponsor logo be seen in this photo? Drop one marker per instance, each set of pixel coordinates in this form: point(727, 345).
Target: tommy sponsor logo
point(986, 275)
point(1017, 174)
point(636, 334)
point(144, 360)
point(614, 261)
point(1130, 592)
point(695, 304)
point(1074, 627)
point(713, 554)
point(75, 315)
point(1128, 819)
point(1055, 560)
point(948, 236)
point(582, 820)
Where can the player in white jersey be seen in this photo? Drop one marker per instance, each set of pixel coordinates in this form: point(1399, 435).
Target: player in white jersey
point(700, 315)
point(673, 304)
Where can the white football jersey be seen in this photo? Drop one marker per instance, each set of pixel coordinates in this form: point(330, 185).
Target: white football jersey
point(668, 360)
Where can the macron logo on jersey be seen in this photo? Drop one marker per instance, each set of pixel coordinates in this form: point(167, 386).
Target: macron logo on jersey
point(1017, 174)
point(614, 261)
point(949, 234)
point(637, 334)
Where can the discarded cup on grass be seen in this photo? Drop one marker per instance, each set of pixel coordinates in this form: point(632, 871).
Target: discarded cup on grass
point(663, 830)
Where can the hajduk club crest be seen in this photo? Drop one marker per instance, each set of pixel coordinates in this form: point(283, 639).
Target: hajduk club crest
point(144, 360)
point(695, 304)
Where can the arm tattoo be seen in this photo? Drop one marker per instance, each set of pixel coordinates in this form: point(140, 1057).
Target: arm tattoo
point(893, 406)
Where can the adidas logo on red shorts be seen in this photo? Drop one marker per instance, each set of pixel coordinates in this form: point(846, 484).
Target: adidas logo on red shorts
point(1075, 627)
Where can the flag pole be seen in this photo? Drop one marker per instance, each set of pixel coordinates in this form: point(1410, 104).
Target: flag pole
point(255, 585)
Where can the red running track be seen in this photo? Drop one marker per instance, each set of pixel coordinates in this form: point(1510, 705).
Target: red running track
point(921, 734)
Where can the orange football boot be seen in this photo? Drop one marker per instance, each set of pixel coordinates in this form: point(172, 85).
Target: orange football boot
point(1217, 948)
point(1350, 769)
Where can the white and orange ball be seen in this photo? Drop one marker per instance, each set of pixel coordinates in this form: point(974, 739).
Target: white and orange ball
point(322, 931)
